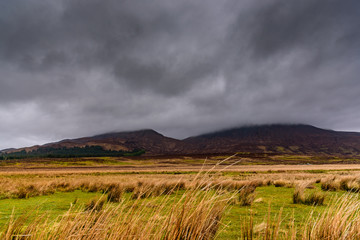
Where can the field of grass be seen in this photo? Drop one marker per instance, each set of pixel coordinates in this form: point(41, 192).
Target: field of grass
point(247, 202)
point(196, 161)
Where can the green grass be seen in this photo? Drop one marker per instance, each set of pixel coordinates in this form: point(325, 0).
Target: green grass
point(275, 197)
point(52, 205)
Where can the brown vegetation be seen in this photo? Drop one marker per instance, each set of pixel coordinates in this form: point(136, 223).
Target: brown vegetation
point(246, 195)
point(315, 198)
point(196, 215)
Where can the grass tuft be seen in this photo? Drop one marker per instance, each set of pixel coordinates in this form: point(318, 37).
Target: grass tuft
point(315, 198)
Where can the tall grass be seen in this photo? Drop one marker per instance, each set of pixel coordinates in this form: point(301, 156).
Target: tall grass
point(180, 209)
point(271, 229)
point(314, 198)
point(341, 220)
point(194, 214)
point(246, 195)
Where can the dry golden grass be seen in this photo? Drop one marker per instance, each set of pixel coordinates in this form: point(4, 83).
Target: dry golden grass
point(163, 168)
point(28, 183)
point(315, 198)
point(341, 220)
point(196, 215)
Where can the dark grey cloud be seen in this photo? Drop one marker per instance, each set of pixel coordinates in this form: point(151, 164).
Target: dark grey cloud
point(283, 26)
point(70, 68)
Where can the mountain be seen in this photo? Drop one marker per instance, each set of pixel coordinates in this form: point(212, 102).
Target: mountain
point(150, 141)
point(7, 150)
point(274, 139)
point(277, 138)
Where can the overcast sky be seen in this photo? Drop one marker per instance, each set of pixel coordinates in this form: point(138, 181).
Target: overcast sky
point(71, 68)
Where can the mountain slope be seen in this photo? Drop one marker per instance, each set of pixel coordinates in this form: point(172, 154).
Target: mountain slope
point(277, 138)
point(152, 142)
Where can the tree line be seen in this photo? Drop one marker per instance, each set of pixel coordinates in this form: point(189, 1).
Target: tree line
point(87, 151)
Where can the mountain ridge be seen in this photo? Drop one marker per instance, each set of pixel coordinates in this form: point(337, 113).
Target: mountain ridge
point(270, 138)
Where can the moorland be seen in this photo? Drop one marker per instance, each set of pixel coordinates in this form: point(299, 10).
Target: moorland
point(263, 182)
point(177, 198)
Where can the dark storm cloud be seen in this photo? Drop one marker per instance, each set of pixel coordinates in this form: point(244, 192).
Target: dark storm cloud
point(71, 68)
point(142, 44)
point(286, 25)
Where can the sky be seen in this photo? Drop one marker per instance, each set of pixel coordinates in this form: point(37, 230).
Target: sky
point(73, 68)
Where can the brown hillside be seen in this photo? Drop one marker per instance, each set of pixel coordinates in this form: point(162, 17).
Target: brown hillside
point(275, 139)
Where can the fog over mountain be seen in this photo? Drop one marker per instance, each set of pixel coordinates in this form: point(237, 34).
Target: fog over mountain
point(71, 68)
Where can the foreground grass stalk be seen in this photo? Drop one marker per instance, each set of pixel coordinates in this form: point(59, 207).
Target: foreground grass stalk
point(341, 220)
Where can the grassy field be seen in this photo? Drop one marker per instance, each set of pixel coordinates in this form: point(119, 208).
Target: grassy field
point(221, 202)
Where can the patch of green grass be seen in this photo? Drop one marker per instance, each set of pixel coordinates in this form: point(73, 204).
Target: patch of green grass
point(53, 205)
point(275, 198)
point(316, 171)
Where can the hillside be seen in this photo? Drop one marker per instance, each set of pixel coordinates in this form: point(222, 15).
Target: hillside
point(109, 144)
point(274, 139)
point(277, 138)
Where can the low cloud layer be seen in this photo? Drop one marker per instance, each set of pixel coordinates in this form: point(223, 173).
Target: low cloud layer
point(73, 68)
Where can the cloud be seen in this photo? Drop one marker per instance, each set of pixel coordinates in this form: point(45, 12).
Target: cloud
point(72, 68)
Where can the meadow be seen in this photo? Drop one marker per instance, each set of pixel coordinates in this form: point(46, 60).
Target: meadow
point(213, 199)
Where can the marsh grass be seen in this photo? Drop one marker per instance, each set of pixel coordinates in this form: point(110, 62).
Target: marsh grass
point(272, 228)
point(95, 204)
point(114, 194)
point(314, 198)
point(195, 215)
point(340, 220)
point(191, 207)
point(246, 195)
point(349, 184)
